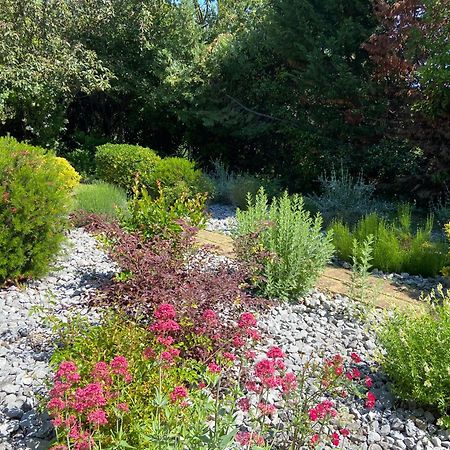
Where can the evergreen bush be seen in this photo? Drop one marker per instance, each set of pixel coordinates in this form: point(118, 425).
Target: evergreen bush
point(120, 163)
point(34, 203)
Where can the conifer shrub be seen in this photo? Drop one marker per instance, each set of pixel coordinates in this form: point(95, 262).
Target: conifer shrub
point(417, 354)
point(34, 200)
point(283, 244)
point(120, 163)
point(397, 247)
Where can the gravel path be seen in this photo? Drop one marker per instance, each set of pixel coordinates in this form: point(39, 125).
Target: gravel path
point(317, 326)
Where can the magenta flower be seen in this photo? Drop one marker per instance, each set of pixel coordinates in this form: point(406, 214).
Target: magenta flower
point(165, 312)
point(98, 417)
point(178, 393)
point(275, 352)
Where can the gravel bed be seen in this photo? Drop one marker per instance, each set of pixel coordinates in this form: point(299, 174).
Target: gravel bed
point(223, 218)
point(25, 343)
point(317, 326)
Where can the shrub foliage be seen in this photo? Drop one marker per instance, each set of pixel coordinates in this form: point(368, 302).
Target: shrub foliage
point(396, 247)
point(283, 243)
point(417, 355)
point(33, 207)
point(119, 163)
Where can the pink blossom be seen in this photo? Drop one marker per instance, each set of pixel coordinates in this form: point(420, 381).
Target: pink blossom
point(119, 365)
point(88, 397)
point(314, 439)
point(247, 320)
point(344, 432)
point(267, 409)
point(98, 417)
point(244, 404)
point(68, 371)
point(368, 382)
point(238, 341)
point(313, 415)
point(289, 382)
point(250, 354)
point(166, 356)
point(229, 356)
point(214, 368)
point(123, 407)
point(178, 393)
point(264, 368)
point(149, 353)
point(356, 358)
point(57, 421)
point(59, 389)
point(246, 438)
point(271, 382)
point(335, 439)
point(165, 340)
point(275, 352)
point(164, 326)
point(59, 447)
point(209, 316)
point(370, 400)
point(254, 334)
point(100, 372)
point(164, 312)
point(56, 404)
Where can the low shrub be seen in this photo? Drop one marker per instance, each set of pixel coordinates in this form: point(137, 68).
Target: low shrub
point(417, 354)
point(344, 198)
point(446, 269)
point(34, 202)
point(155, 272)
point(119, 163)
point(396, 248)
point(176, 177)
point(119, 385)
point(101, 198)
point(283, 244)
point(161, 217)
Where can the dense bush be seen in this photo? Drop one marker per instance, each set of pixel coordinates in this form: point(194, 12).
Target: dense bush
point(119, 163)
point(84, 162)
point(33, 205)
point(344, 197)
point(446, 270)
point(417, 354)
point(283, 243)
point(69, 176)
point(396, 248)
point(101, 198)
point(177, 177)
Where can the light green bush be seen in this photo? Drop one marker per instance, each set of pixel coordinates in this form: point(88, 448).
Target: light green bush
point(283, 243)
point(417, 354)
point(176, 176)
point(161, 217)
point(119, 163)
point(34, 202)
point(396, 247)
point(101, 198)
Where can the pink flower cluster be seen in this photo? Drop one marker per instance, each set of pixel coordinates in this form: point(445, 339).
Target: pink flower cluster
point(77, 407)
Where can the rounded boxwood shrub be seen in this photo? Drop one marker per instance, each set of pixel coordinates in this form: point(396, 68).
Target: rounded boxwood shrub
point(34, 202)
point(177, 176)
point(119, 163)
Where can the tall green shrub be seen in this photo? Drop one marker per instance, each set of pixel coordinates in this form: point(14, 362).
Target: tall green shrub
point(33, 208)
point(119, 163)
point(285, 242)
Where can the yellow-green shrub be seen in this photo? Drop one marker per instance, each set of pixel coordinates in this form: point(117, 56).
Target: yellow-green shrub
point(33, 210)
point(69, 176)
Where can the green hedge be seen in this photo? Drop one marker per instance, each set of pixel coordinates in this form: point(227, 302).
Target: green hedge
point(119, 163)
point(33, 210)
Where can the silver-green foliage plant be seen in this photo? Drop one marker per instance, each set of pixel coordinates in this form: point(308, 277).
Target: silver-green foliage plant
point(345, 197)
point(284, 243)
point(417, 354)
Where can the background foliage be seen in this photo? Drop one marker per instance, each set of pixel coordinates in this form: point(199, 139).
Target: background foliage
point(287, 87)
